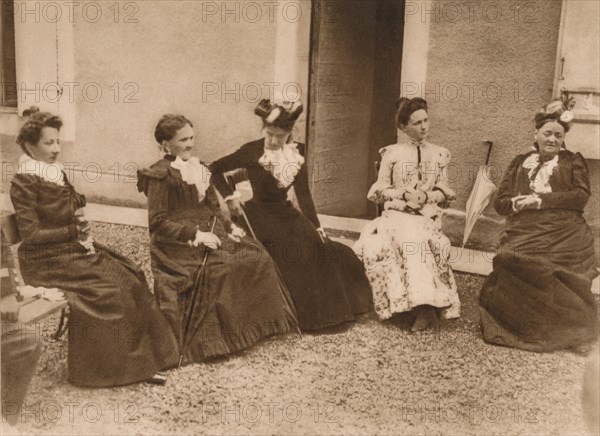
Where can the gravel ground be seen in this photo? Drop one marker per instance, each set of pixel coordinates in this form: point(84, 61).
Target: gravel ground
point(370, 377)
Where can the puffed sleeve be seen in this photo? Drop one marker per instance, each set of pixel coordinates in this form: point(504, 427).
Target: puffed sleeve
point(23, 194)
point(153, 182)
point(302, 190)
point(579, 193)
point(508, 188)
point(237, 159)
point(441, 193)
point(383, 189)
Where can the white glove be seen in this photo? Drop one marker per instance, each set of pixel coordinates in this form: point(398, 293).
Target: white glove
point(322, 234)
point(236, 233)
point(208, 239)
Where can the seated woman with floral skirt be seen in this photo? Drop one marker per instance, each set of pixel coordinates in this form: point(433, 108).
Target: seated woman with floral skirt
point(404, 250)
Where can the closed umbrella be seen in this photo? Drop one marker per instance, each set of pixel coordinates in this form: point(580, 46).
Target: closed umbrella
point(480, 197)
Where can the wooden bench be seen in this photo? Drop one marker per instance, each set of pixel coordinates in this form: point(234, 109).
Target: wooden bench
point(34, 309)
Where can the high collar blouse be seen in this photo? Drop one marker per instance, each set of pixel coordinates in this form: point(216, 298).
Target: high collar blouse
point(409, 166)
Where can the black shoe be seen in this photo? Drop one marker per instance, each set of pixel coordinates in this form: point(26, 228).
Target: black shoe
point(425, 317)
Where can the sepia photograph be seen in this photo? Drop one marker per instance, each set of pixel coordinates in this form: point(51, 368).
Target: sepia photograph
point(300, 217)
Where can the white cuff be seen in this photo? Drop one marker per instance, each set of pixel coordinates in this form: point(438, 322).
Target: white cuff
point(234, 196)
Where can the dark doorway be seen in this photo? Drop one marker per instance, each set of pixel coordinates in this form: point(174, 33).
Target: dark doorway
point(356, 54)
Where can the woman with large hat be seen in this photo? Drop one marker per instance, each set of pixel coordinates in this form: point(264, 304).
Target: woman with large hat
point(326, 279)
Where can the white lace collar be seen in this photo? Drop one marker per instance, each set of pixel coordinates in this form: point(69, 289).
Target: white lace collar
point(540, 182)
point(284, 163)
point(50, 172)
point(193, 173)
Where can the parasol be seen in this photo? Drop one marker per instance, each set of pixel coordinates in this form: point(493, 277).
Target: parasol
point(480, 197)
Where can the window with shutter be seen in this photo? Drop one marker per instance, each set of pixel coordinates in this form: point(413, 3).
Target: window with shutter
point(43, 53)
point(7, 49)
point(578, 72)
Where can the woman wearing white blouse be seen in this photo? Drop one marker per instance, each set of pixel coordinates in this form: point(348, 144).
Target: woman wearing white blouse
point(404, 251)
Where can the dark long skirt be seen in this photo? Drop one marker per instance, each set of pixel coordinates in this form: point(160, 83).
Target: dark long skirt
point(117, 334)
point(240, 297)
point(538, 296)
point(327, 281)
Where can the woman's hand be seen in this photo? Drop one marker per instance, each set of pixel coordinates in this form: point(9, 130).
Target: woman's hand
point(83, 231)
point(391, 194)
point(208, 239)
point(418, 196)
point(237, 232)
point(524, 202)
point(322, 234)
point(235, 207)
point(83, 226)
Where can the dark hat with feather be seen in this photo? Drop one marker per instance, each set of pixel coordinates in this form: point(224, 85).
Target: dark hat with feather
point(282, 115)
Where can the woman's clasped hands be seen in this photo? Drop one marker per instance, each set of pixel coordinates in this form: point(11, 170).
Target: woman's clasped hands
point(83, 225)
point(415, 199)
point(523, 202)
point(83, 231)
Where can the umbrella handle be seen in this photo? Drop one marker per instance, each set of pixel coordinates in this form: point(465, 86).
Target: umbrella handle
point(490, 144)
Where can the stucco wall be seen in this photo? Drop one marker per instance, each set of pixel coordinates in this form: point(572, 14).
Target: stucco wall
point(211, 61)
point(489, 69)
point(185, 57)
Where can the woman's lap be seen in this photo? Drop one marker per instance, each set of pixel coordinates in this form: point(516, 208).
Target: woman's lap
point(326, 280)
point(116, 331)
point(544, 305)
point(406, 258)
point(239, 300)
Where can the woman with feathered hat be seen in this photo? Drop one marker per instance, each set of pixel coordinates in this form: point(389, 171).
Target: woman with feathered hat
point(538, 296)
point(326, 279)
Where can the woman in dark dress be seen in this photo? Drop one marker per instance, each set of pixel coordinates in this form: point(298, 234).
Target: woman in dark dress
point(539, 295)
point(326, 279)
point(117, 334)
point(240, 297)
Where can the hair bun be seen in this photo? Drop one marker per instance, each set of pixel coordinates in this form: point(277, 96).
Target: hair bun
point(400, 102)
point(32, 110)
point(406, 106)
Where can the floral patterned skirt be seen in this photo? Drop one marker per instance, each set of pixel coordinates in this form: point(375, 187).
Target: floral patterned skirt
point(406, 261)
